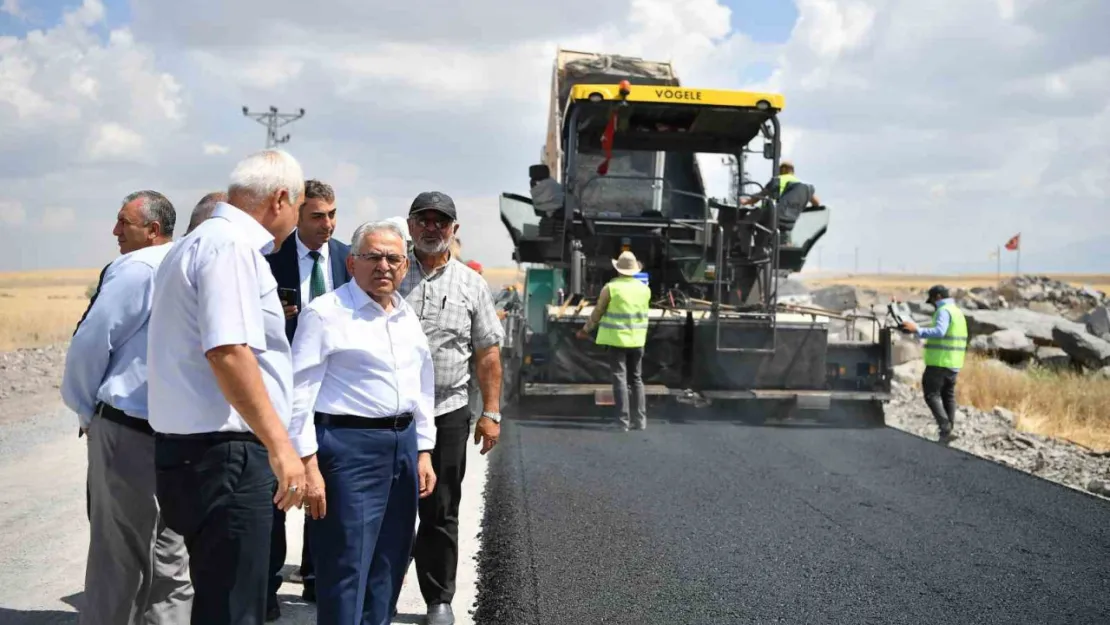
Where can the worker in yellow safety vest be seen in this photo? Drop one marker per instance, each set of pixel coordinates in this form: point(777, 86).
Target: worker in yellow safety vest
point(945, 346)
point(790, 197)
point(621, 317)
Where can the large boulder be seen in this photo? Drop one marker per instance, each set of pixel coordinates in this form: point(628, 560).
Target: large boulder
point(1046, 308)
point(909, 373)
point(1036, 326)
point(1086, 349)
point(837, 298)
point(1052, 358)
point(1098, 322)
point(904, 349)
point(1008, 345)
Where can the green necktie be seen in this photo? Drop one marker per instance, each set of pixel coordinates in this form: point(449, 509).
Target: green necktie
point(316, 286)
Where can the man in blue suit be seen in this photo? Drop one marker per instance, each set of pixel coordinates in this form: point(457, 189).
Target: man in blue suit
point(308, 264)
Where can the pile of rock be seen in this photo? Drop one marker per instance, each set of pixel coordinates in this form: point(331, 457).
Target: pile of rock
point(1020, 336)
point(992, 435)
point(1019, 323)
point(1037, 293)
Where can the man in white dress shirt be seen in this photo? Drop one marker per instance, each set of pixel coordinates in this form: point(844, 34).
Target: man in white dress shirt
point(221, 390)
point(363, 375)
point(137, 568)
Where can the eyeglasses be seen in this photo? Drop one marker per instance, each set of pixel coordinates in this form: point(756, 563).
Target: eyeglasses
point(427, 222)
point(394, 260)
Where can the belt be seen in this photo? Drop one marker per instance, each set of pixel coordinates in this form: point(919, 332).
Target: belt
point(396, 422)
point(211, 437)
point(115, 414)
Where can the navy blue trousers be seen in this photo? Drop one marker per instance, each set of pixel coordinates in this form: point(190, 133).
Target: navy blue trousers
point(361, 548)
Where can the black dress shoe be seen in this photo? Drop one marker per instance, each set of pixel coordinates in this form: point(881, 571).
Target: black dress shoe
point(273, 613)
point(309, 592)
point(440, 614)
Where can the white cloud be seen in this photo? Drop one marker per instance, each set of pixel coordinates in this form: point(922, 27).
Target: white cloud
point(12, 213)
point(909, 117)
point(57, 219)
point(344, 175)
point(113, 141)
point(11, 7)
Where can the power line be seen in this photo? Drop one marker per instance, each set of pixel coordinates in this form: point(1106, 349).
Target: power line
point(273, 120)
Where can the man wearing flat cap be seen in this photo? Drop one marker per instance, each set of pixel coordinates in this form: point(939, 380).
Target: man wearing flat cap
point(621, 317)
point(457, 314)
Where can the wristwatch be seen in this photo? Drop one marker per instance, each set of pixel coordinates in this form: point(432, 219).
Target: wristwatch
point(492, 416)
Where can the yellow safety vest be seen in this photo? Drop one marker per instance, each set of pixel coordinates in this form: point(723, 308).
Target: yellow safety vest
point(625, 321)
point(785, 179)
point(948, 351)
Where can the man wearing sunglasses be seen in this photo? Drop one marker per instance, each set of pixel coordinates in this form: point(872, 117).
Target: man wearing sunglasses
point(458, 316)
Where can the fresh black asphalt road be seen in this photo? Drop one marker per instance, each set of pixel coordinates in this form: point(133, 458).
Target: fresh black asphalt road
point(716, 522)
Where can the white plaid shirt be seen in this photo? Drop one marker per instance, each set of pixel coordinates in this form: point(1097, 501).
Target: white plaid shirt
point(456, 310)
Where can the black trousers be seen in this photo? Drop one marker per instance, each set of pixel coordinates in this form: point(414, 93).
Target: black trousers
point(278, 551)
point(217, 492)
point(436, 548)
point(939, 385)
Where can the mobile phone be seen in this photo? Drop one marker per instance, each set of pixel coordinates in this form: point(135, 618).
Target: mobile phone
point(288, 297)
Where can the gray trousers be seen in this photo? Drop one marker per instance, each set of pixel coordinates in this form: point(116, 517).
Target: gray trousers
point(138, 570)
point(625, 365)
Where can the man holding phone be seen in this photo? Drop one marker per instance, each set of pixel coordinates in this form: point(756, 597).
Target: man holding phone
point(309, 264)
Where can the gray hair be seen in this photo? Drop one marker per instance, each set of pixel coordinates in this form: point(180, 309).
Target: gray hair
point(154, 207)
point(264, 173)
point(358, 241)
point(204, 208)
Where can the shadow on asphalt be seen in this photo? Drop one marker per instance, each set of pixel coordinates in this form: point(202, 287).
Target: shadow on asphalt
point(43, 617)
point(36, 617)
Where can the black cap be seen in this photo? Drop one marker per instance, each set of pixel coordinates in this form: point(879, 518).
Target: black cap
point(539, 172)
point(434, 201)
point(937, 292)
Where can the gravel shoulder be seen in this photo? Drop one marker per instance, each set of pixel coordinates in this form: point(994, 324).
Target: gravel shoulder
point(992, 436)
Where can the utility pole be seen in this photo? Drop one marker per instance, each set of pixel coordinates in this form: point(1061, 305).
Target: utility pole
point(274, 120)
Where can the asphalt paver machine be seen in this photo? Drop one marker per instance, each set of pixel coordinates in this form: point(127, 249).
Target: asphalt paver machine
point(622, 145)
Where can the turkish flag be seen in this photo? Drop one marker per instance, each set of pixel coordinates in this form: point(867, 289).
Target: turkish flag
point(607, 144)
point(1014, 242)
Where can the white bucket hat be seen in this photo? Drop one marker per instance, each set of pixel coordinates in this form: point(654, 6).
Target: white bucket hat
point(627, 265)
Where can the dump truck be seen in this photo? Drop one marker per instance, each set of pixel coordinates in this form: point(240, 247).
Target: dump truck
point(623, 143)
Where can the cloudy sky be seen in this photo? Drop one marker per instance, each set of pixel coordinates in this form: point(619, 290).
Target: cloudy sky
point(934, 130)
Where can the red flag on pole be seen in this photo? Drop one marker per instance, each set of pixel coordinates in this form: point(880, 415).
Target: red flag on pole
point(1014, 243)
point(607, 144)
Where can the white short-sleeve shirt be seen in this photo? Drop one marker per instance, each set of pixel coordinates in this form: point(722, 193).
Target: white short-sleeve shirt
point(215, 288)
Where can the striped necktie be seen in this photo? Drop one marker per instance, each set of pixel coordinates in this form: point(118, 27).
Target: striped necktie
point(317, 286)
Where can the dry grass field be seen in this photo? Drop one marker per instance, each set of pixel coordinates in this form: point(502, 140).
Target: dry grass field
point(503, 276)
point(42, 307)
point(1060, 405)
point(921, 282)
